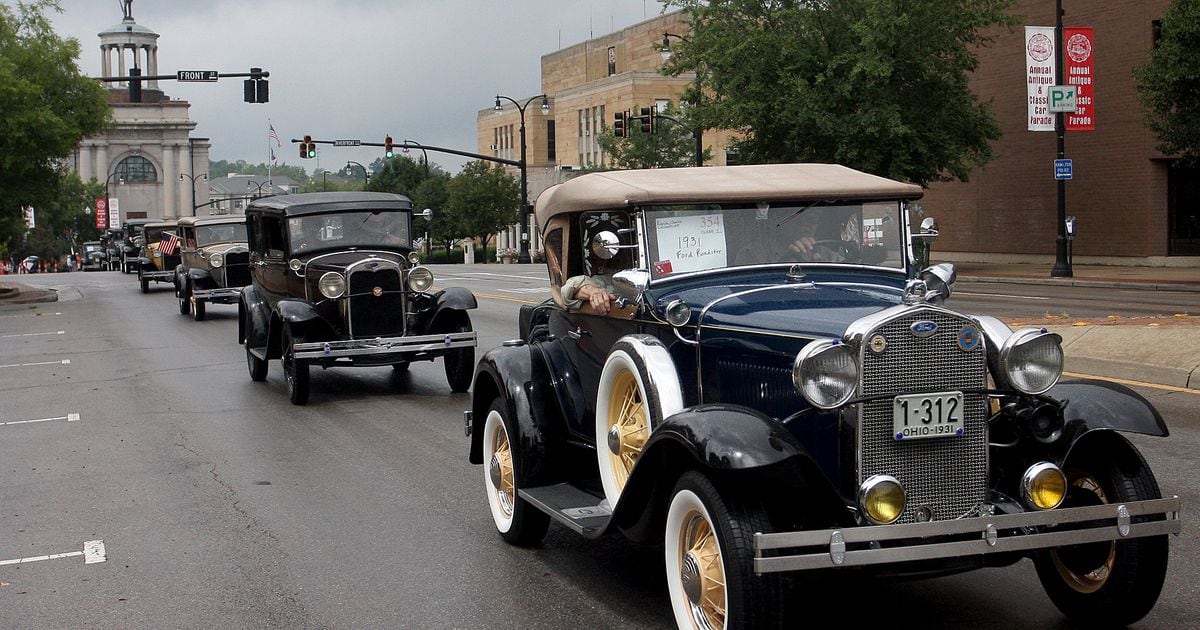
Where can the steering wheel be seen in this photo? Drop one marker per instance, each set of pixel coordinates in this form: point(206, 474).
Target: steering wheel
point(835, 250)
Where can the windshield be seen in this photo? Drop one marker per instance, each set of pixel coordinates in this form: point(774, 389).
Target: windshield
point(686, 239)
point(91, 247)
point(349, 229)
point(220, 233)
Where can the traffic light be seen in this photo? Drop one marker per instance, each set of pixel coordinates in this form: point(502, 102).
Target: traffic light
point(307, 148)
point(304, 150)
point(387, 147)
point(255, 89)
point(135, 85)
point(619, 124)
point(647, 120)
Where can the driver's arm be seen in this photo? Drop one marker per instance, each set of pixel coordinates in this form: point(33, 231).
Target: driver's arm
point(578, 290)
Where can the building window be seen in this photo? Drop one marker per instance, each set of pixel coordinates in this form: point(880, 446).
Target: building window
point(550, 152)
point(136, 169)
point(612, 60)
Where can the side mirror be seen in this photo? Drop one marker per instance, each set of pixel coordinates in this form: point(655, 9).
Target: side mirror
point(929, 229)
point(630, 283)
point(922, 242)
point(427, 214)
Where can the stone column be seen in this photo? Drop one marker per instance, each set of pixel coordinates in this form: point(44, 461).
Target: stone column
point(169, 180)
point(152, 64)
point(83, 165)
point(184, 187)
point(121, 61)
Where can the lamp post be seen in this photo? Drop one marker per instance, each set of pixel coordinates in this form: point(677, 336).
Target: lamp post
point(365, 176)
point(1062, 261)
point(107, 198)
point(203, 176)
point(524, 255)
point(255, 187)
point(412, 143)
point(666, 46)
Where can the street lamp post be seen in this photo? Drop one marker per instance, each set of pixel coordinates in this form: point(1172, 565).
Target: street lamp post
point(255, 187)
point(524, 255)
point(412, 143)
point(203, 176)
point(1062, 260)
point(365, 176)
point(666, 45)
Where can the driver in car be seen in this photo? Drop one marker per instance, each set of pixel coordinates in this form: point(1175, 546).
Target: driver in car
point(595, 289)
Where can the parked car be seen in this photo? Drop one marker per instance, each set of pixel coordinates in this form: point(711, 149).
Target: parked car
point(94, 258)
point(131, 250)
point(159, 253)
point(31, 264)
point(111, 241)
point(214, 263)
point(335, 281)
point(778, 390)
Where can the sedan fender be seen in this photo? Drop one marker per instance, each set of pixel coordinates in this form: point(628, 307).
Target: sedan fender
point(254, 319)
point(1094, 405)
point(449, 299)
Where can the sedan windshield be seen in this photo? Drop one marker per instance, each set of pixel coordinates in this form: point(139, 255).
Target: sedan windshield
point(349, 229)
point(686, 239)
point(221, 233)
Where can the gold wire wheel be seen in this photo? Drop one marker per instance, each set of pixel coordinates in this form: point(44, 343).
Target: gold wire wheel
point(628, 426)
point(1095, 579)
point(502, 471)
point(701, 571)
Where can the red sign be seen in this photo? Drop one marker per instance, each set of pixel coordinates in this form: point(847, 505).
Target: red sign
point(101, 213)
point(1078, 56)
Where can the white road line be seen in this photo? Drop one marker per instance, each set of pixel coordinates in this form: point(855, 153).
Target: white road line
point(533, 290)
point(71, 417)
point(61, 332)
point(93, 552)
point(63, 362)
point(29, 315)
point(1000, 295)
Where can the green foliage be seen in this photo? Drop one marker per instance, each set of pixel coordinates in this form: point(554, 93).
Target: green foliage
point(877, 85)
point(221, 168)
point(401, 174)
point(46, 108)
point(63, 221)
point(1169, 83)
point(481, 200)
point(671, 144)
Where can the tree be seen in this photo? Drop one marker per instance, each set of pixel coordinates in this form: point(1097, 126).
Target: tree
point(221, 168)
point(401, 174)
point(433, 193)
point(1169, 83)
point(671, 144)
point(877, 85)
point(482, 200)
point(46, 108)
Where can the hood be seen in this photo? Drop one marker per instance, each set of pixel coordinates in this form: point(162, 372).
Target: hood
point(799, 309)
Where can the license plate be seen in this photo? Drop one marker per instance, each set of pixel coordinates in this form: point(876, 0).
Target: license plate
point(933, 415)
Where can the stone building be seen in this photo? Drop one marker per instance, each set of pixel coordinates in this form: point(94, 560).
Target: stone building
point(151, 165)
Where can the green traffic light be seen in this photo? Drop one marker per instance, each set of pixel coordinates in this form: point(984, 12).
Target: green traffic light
point(390, 154)
point(312, 152)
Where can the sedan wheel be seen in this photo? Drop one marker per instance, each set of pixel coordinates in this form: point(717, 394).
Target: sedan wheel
point(295, 370)
point(460, 363)
point(517, 522)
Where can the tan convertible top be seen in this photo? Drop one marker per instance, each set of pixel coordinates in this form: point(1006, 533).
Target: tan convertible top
point(721, 184)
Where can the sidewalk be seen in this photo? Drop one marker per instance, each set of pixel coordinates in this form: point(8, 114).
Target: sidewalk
point(1151, 278)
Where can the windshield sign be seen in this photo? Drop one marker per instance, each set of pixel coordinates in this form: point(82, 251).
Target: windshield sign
point(687, 239)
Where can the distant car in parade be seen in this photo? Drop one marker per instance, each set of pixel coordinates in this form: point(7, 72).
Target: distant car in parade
point(159, 253)
point(93, 257)
point(335, 281)
point(214, 262)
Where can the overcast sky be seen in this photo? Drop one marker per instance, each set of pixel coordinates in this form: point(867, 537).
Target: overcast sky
point(351, 69)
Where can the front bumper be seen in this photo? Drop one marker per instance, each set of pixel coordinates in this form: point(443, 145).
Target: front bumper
point(159, 276)
point(222, 295)
point(974, 536)
point(384, 345)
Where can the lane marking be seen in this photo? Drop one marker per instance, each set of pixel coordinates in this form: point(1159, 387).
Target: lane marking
point(999, 295)
point(28, 315)
point(1122, 381)
point(530, 290)
point(507, 298)
point(63, 362)
point(93, 552)
point(71, 417)
point(61, 332)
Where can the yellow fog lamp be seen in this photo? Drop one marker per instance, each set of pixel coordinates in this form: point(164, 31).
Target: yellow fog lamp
point(881, 498)
point(1044, 486)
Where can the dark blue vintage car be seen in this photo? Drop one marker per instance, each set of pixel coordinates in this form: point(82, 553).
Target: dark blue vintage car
point(778, 389)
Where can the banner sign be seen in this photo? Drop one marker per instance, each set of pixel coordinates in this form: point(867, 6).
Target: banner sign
point(101, 213)
point(114, 213)
point(1039, 74)
point(1079, 68)
point(29, 221)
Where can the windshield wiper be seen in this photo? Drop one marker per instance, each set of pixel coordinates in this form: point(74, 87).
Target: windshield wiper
point(797, 213)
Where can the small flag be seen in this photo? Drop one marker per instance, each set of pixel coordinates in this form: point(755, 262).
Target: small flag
point(663, 267)
point(169, 244)
point(274, 136)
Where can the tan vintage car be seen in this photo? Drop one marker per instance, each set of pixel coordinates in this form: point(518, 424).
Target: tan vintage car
point(215, 262)
point(159, 256)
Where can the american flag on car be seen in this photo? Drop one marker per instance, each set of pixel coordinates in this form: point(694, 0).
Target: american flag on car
point(169, 244)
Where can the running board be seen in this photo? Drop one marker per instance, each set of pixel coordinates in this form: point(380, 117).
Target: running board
point(584, 513)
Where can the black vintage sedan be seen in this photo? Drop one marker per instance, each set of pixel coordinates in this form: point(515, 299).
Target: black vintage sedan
point(336, 282)
point(744, 365)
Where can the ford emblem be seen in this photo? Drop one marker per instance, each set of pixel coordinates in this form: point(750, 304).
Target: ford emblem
point(923, 328)
point(377, 291)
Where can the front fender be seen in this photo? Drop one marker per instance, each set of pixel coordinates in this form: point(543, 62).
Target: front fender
point(296, 312)
point(1095, 405)
point(254, 319)
point(516, 375)
point(444, 301)
point(195, 274)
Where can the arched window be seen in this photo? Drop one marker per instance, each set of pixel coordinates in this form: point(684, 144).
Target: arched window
point(136, 169)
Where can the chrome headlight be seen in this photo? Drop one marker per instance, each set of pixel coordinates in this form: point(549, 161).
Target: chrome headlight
point(216, 260)
point(414, 258)
point(332, 285)
point(1031, 359)
point(420, 279)
point(295, 264)
point(825, 373)
point(678, 313)
point(157, 254)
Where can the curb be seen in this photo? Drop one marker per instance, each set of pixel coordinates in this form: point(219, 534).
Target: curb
point(23, 294)
point(1070, 282)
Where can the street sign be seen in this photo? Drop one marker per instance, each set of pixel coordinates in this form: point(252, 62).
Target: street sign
point(196, 75)
point(1063, 169)
point(347, 143)
point(1064, 98)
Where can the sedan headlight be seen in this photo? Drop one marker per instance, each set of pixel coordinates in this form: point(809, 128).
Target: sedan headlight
point(825, 373)
point(332, 285)
point(414, 258)
point(216, 260)
point(1031, 359)
point(420, 279)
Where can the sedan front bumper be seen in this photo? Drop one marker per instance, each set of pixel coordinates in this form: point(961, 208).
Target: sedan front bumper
point(973, 536)
point(384, 345)
point(223, 295)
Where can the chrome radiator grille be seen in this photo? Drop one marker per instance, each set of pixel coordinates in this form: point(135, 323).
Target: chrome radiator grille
point(946, 475)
